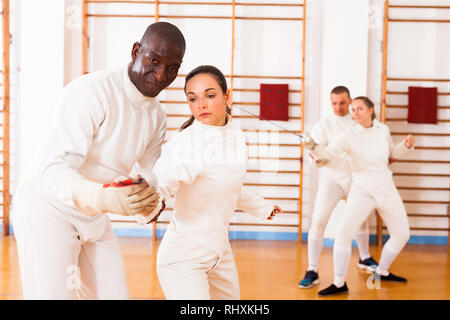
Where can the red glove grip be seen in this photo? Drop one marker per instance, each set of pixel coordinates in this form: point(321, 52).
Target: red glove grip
point(119, 184)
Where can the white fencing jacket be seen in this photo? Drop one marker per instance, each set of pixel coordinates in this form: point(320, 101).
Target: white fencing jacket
point(203, 167)
point(325, 132)
point(104, 117)
point(369, 150)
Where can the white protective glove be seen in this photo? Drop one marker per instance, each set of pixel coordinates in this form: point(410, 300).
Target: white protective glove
point(92, 198)
point(153, 213)
point(307, 141)
point(316, 161)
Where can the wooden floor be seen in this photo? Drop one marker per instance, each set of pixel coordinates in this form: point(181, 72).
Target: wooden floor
point(271, 270)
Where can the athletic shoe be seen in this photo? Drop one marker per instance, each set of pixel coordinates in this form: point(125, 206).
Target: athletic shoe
point(390, 277)
point(311, 278)
point(333, 290)
point(368, 264)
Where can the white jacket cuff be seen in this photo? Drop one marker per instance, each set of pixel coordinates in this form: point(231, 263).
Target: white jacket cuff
point(400, 150)
point(85, 195)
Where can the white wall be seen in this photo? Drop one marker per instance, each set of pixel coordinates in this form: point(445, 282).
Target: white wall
point(39, 74)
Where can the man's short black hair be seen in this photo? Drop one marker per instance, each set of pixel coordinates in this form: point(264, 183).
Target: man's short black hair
point(340, 89)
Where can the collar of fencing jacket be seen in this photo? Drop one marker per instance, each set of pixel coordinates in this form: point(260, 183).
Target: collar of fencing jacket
point(211, 128)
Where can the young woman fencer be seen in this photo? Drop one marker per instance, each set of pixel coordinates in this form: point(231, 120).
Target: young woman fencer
point(203, 167)
point(370, 148)
point(334, 185)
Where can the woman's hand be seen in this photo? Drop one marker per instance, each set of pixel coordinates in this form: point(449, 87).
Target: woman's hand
point(276, 210)
point(409, 141)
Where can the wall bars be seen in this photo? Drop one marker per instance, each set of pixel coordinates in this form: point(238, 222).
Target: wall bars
point(277, 175)
point(423, 179)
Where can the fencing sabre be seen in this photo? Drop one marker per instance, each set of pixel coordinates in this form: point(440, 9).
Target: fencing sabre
point(271, 122)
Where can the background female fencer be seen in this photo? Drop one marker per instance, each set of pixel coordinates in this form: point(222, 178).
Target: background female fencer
point(203, 167)
point(334, 185)
point(370, 147)
point(66, 244)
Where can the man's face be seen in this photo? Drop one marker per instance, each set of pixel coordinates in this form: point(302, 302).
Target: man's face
point(155, 65)
point(340, 103)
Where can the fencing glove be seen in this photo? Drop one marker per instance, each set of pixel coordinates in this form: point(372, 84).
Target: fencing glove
point(92, 198)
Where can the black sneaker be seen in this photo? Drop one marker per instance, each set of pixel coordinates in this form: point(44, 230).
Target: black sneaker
point(368, 264)
point(390, 277)
point(333, 290)
point(311, 278)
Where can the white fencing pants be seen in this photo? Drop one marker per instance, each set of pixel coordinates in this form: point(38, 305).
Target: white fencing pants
point(59, 259)
point(360, 202)
point(329, 193)
point(188, 270)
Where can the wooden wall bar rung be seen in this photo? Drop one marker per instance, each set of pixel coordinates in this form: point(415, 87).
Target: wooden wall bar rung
point(404, 119)
point(430, 134)
point(247, 76)
point(281, 198)
point(99, 15)
point(263, 224)
point(405, 93)
point(275, 158)
point(274, 144)
point(425, 229)
point(257, 117)
point(418, 6)
point(266, 77)
point(271, 185)
point(423, 188)
point(235, 89)
point(257, 90)
point(431, 148)
point(424, 215)
point(275, 171)
point(277, 131)
point(405, 106)
point(234, 116)
point(234, 103)
point(197, 3)
point(257, 104)
point(255, 130)
point(419, 20)
point(417, 79)
point(426, 202)
point(437, 175)
point(231, 224)
point(424, 161)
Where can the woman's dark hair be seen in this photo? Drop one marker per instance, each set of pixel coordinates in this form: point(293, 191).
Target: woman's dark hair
point(220, 78)
point(368, 103)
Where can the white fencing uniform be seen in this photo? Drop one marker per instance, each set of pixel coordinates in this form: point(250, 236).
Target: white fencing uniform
point(372, 188)
point(334, 185)
point(203, 167)
point(103, 116)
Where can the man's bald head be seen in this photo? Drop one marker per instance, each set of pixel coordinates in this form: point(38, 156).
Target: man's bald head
point(164, 30)
point(156, 58)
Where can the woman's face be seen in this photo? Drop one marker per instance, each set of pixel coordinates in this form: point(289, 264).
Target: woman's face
point(206, 99)
point(361, 113)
